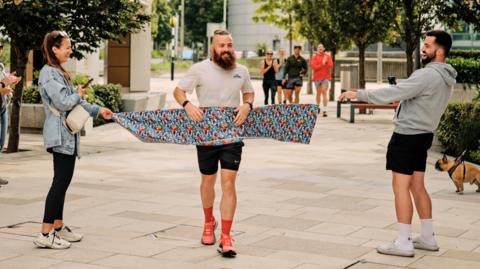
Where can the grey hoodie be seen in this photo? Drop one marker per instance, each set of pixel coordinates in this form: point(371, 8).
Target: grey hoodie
point(424, 97)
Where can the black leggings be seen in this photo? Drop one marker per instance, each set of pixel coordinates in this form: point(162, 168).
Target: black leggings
point(269, 86)
point(63, 167)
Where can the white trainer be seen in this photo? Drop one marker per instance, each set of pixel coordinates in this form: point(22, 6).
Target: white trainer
point(51, 241)
point(66, 234)
point(419, 243)
point(394, 249)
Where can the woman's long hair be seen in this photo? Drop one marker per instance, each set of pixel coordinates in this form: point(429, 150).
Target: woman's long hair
point(54, 39)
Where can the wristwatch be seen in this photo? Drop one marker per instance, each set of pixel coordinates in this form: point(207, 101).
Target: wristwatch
point(185, 103)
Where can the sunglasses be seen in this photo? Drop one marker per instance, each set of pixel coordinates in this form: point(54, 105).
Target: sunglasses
point(269, 53)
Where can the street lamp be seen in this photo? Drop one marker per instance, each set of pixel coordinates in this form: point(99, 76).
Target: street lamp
point(173, 24)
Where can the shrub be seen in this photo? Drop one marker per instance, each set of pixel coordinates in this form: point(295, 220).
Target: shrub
point(459, 130)
point(468, 54)
point(108, 95)
point(468, 70)
point(31, 95)
point(79, 79)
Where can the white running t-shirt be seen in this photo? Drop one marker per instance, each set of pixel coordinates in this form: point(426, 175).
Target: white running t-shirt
point(216, 86)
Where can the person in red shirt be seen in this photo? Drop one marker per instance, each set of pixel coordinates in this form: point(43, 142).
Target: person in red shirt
point(322, 65)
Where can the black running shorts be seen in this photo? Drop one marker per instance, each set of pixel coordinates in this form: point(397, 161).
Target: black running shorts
point(229, 156)
point(408, 153)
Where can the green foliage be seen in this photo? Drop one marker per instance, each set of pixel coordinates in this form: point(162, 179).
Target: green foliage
point(197, 14)
point(5, 56)
point(80, 79)
point(165, 66)
point(467, 11)
point(319, 21)
point(161, 28)
point(414, 19)
point(31, 95)
point(88, 23)
point(468, 54)
point(281, 14)
point(108, 95)
point(459, 130)
point(468, 70)
point(158, 54)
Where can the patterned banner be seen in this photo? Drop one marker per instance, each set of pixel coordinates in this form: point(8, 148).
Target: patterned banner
point(288, 123)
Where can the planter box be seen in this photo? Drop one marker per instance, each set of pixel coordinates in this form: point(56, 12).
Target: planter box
point(32, 118)
point(135, 102)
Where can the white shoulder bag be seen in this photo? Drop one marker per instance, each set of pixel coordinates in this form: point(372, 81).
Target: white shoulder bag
point(75, 120)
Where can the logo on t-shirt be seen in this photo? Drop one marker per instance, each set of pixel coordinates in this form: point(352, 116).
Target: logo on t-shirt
point(237, 76)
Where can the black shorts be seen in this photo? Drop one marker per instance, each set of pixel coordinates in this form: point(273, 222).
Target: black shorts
point(293, 82)
point(279, 83)
point(229, 156)
point(408, 153)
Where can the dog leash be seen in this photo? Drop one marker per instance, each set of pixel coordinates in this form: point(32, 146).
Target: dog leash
point(459, 160)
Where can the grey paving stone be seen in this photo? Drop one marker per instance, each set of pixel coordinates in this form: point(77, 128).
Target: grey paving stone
point(334, 202)
point(146, 216)
point(311, 246)
point(432, 262)
point(280, 222)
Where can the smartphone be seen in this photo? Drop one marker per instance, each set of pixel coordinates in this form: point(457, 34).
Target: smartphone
point(86, 85)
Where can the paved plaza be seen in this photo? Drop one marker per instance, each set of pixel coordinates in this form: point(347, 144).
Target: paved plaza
point(323, 205)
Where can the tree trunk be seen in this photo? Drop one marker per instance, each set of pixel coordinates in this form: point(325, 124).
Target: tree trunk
point(290, 37)
point(361, 66)
point(19, 64)
point(361, 71)
point(409, 62)
point(332, 88)
point(310, 71)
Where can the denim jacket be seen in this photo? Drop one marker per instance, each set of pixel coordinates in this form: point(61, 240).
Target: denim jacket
point(58, 92)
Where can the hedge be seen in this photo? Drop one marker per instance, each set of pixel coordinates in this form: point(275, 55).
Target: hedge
point(459, 130)
point(468, 70)
point(468, 54)
point(108, 95)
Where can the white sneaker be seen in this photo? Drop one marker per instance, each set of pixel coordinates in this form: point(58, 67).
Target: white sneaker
point(51, 241)
point(419, 243)
point(66, 234)
point(394, 249)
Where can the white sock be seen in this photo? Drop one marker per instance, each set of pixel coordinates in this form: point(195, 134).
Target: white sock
point(404, 240)
point(324, 108)
point(427, 231)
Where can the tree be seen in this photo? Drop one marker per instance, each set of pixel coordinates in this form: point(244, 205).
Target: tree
point(368, 22)
point(319, 20)
point(197, 14)
point(161, 30)
point(88, 23)
point(281, 14)
point(416, 18)
point(466, 10)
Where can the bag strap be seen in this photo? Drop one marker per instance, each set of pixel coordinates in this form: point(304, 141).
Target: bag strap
point(53, 110)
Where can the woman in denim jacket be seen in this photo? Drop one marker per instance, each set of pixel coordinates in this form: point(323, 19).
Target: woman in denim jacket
point(58, 93)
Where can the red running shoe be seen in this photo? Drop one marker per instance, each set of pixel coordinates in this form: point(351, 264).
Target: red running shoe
point(225, 248)
point(208, 236)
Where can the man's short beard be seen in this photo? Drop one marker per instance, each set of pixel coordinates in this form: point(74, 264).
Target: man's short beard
point(228, 63)
point(428, 59)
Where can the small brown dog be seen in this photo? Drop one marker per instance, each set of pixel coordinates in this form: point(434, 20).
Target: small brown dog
point(459, 172)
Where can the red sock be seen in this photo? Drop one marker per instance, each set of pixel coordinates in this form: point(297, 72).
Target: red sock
point(226, 226)
point(208, 212)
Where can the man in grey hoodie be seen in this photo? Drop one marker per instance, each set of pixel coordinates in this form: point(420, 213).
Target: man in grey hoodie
point(424, 97)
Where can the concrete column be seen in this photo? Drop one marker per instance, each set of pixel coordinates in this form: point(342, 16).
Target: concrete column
point(379, 62)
